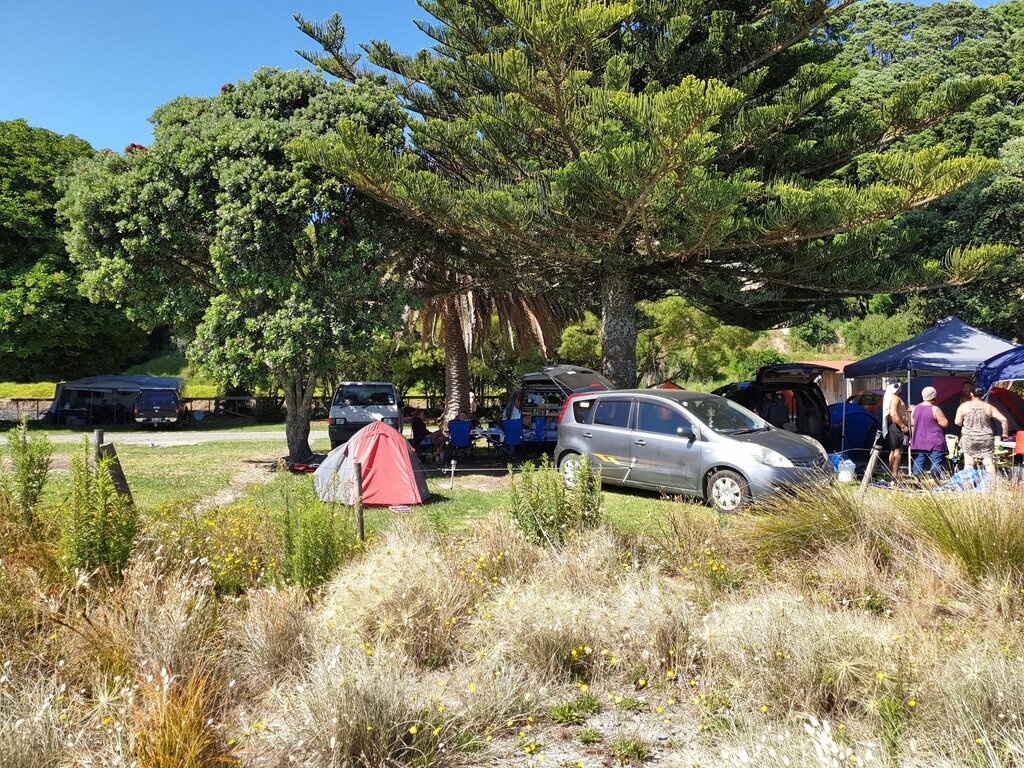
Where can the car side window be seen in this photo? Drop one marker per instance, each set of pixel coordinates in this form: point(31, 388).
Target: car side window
point(612, 413)
point(660, 419)
point(582, 410)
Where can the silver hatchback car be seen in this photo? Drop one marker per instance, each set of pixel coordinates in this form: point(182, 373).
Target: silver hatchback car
point(689, 443)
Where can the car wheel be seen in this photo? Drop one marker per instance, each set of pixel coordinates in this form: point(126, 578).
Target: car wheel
point(569, 466)
point(728, 491)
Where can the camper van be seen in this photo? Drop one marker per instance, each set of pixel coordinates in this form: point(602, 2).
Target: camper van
point(358, 403)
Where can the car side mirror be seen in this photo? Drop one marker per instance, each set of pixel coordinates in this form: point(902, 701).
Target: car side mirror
point(685, 432)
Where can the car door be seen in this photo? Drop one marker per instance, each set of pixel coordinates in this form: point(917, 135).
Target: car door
point(662, 458)
point(608, 437)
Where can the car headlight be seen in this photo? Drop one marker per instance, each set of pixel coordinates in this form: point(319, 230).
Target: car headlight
point(769, 457)
point(339, 421)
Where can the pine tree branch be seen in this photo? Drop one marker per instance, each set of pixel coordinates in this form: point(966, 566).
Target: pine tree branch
point(799, 36)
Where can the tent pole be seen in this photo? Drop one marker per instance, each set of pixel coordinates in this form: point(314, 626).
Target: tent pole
point(910, 467)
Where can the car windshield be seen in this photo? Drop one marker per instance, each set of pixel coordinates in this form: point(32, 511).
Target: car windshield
point(365, 394)
point(158, 396)
point(724, 416)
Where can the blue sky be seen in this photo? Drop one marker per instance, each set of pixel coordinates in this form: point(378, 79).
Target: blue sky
point(98, 68)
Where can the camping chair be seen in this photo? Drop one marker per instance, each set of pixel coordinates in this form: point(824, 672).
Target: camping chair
point(1004, 459)
point(427, 451)
point(953, 452)
point(459, 441)
point(513, 429)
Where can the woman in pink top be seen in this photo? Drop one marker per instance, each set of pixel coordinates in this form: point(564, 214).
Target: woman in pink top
point(928, 439)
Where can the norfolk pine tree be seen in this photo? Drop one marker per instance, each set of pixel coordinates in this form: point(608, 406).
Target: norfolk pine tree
point(625, 148)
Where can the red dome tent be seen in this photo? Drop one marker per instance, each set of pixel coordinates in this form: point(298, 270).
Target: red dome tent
point(392, 473)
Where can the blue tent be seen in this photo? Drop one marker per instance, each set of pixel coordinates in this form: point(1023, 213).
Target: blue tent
point(1006, 366)
point(853, 430)
point(951, 346)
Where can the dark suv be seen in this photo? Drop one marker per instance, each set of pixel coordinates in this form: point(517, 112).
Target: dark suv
point(155, 407)
point(787, 396)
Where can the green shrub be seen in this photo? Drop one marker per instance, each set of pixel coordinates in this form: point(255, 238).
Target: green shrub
point(548, 512)
point(233, 541)
point(818, 331)
point(631, 750)
point(100, 526)
point(590, 736)
point(313, 539)
point(747, 362)
point(23, 482)
point(575, 712)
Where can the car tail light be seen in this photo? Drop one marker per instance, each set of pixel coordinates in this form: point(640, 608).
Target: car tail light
point(565, 405)
point(136, 409)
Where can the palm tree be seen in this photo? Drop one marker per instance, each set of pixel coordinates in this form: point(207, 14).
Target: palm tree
point(459, 313)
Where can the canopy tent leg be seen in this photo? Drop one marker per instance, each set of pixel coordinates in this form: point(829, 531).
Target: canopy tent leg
point(910, 466)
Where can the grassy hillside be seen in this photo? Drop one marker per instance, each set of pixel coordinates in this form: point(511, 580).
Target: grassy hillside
point(165, 365)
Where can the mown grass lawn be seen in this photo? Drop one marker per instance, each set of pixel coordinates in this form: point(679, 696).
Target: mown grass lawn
point(158, 474)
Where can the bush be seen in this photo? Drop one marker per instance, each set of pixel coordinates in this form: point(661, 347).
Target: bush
point(748, 362)
point(100, 527)
point(548, 512)
point(313, 539)
point(816, 332)
point(22, 485)
point(232, 541)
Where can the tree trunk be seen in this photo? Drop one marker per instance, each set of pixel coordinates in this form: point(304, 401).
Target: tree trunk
point(298, 400)
point(456, 361)
point(618, 330)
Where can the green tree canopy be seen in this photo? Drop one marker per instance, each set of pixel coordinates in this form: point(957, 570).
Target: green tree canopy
point(266, 263)
point(890, 46)
point(47, 328)
point(623, 148)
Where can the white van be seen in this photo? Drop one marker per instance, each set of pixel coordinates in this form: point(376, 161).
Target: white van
point(358, 403)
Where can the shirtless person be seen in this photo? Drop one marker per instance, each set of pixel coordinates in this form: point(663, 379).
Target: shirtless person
point(899, 430)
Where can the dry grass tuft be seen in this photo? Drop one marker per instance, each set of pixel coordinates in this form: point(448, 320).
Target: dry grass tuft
point(273, 638)
point(160, 619)
point(972, 704)
point(36, 720)
point(777, 650)
point(625, 621)
point(803, 521)
point(175, 723)
point(350, 709)
point(982, 532)
point(411, 592)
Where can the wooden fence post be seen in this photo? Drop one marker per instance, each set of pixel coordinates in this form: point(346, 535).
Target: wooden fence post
point(97, 437)
point(357, 480)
